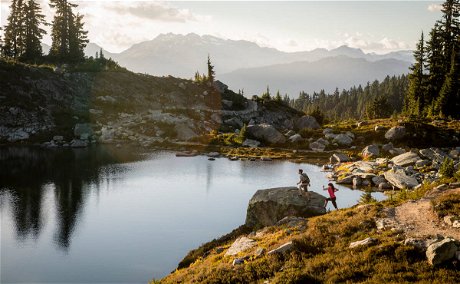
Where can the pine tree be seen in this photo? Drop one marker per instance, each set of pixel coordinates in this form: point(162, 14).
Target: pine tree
point(33, 32)
point(414, 103)
point(68, 36)
point(448, 102)
point(450, 29)
point(211, 72)
point(15, 30)
point(435, 66)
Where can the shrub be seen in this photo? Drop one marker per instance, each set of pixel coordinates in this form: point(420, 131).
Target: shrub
point(447, 168)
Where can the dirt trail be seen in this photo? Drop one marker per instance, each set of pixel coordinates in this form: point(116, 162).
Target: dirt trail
point(418, 219)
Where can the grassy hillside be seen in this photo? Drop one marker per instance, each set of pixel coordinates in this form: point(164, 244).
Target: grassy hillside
point(321, 252)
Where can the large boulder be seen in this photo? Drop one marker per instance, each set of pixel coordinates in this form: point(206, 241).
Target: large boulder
point(434, 154)
point(396, 133)
point(343, 139)
point(338, 158)
point(441, 251)
point(267, 133)
point(317, 146)
point(400, 180)
point(269, 206)
point(306, 121)
point(405, 159)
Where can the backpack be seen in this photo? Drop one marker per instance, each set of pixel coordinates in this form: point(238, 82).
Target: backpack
point(304, 178)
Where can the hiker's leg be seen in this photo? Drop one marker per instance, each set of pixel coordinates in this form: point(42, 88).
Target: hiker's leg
point(335, 204)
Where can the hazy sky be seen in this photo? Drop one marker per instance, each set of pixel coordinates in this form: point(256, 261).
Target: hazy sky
point(377, 26)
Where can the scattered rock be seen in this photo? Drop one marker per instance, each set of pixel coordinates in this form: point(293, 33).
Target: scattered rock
point(441, 251)
point(345, 179)
point(307, 121)
point(291, 221)
point(371, 151)
point(400, 180)
point(77, 143)
point(387, 147)
point(269, 206)
point(267, 133)
point(18, 135)
point(405, 159)
point(295, 138)
point(379, 128)
point(282, 249)
point(422, 163)
point(449, 219)
point(241, 244)
point(238, 261)
point(365, 242)
point(343, 139)
point(362, 123)
point(317, 147)
point(251, 143)
point(338, 158)
point(418, 243)
point(396, 133)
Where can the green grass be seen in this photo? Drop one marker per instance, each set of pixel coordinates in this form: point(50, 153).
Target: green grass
point(447, 205)
point(321, 255)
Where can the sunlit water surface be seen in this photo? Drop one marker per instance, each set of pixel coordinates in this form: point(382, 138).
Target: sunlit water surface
point(114, 215)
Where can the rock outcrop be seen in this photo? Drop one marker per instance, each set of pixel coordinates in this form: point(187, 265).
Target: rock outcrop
point(269, 206)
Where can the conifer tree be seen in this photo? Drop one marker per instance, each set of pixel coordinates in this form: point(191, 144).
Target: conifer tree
point(414, 103)
point(211, 72)
point(14, 30)
point(68, 36)
point(435, 66)
point(450, 29)
point(448, 102)
point(33, 33)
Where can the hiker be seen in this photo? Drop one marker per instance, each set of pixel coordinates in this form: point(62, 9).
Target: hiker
point(303, 183)
point(331, 190)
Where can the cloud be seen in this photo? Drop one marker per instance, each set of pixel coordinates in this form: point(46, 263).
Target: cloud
point(156, 11)
point(434, 7)
point(383, 44)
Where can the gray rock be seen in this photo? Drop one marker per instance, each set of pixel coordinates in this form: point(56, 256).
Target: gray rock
point(267, 133)
point(377, 180)
point(290, 133)
point(330, 135)
point(362, 123)
point(345, 180)
point(454, 154)
point(405, 159)
point(365, 242)
point(387, 147)
point(441, 251)
point(397, 151)
point(396, 133)
point(327, 130)
point(238, 261)
point(343, 139)
point(291, 221)
point(384, 186)
point(234, 122)
point(282, 249)
point(241, 244)
point(422, 163)
point(441, 187)
point(400, 180)
point(379, 128)
point(251, 143)
point(77, 143)
point(82, 129)
point(317, 147)
point(350, 134)
point(58, 138)
point(371, 151)
point(295, 138)
point(213, 155)
point(306, 121)
point(18, 135)
point(433, 154)
point(418, 243)
point(449, 219)
point(357, 181)
point(338, 158)
point(269, 206)
point(323, 141)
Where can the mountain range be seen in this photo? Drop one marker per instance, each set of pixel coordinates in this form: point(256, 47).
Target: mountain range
point(245, 65)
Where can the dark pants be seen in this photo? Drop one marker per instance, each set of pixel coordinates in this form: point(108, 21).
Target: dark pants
point(332, 199)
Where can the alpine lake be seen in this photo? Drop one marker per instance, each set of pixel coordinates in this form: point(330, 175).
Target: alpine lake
point(107, 214)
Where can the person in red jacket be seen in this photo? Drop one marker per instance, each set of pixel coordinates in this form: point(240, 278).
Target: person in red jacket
point(331, 190)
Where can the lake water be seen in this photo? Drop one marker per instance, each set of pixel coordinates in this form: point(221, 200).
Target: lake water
point(112, 215)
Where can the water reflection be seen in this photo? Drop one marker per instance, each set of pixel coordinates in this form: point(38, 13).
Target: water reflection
point(27, 172)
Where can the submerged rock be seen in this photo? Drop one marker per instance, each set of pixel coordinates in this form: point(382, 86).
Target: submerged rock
point(269, 206)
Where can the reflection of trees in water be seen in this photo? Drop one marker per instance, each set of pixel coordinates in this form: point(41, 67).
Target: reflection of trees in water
point(24, 172)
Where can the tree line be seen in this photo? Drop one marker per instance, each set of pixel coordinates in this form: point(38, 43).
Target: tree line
point(24, 31)
point(374, 100)
point(434, 80)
